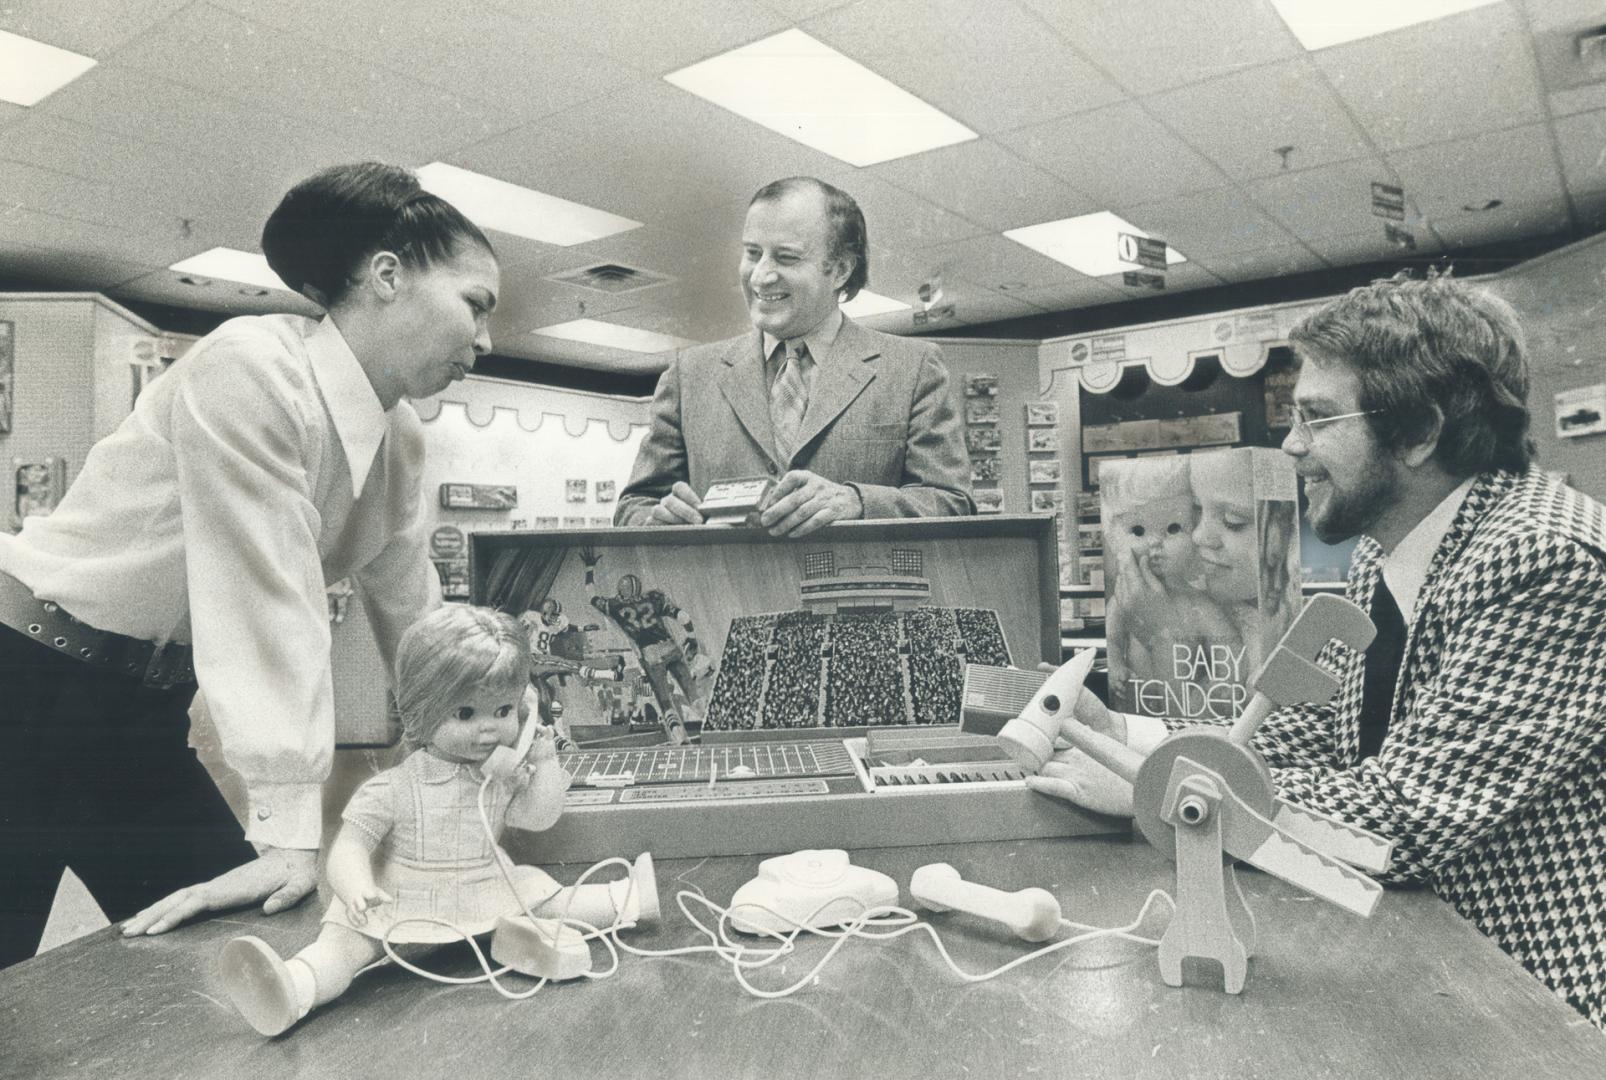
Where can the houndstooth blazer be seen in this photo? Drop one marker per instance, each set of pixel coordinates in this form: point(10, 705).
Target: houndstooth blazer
point(1492, 779)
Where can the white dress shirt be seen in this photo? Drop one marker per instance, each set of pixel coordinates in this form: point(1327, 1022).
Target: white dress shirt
point(1405, 569)
point(257, 470)
point(819, 342)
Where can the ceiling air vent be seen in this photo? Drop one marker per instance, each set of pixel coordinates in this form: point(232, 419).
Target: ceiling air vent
point(610, 278)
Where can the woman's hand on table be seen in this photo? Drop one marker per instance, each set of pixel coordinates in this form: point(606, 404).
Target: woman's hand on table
point(278, 877)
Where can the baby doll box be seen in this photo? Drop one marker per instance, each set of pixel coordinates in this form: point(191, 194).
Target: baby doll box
point(1202, 576)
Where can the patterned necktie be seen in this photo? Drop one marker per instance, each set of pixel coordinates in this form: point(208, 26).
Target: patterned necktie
point(789, 399)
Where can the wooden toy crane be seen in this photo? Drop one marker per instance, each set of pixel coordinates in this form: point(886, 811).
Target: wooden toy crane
point(1204, 796)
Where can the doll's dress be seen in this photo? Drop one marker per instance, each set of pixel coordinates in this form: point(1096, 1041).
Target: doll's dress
point(433, 855)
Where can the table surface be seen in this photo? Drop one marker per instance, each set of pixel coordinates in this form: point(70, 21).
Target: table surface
point(1414, 991)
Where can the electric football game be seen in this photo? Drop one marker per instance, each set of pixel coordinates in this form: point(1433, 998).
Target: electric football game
point(709, 691)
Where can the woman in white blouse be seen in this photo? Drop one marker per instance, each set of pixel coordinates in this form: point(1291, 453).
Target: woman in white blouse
point(278, 455)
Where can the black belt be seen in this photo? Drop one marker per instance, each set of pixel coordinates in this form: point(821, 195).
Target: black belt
point(160, 666)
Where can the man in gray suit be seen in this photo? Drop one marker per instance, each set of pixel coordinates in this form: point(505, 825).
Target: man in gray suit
point(854, 423)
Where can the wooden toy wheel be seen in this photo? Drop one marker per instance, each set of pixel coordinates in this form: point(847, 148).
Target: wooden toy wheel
point(1243, 770)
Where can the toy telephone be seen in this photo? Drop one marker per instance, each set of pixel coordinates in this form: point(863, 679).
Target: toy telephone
point(505, 761)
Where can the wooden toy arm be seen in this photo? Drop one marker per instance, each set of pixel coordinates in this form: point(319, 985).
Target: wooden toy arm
point(1290, 675)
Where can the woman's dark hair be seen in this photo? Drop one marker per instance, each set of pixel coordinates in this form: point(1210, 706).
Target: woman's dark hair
point(844, 224)
point(328, 225)
point(1416, 345)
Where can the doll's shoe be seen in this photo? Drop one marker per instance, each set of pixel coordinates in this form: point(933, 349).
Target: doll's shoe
point(259, 984)
point(646, 890)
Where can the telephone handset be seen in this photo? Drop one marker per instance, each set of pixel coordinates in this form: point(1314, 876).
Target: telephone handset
point(505, 760)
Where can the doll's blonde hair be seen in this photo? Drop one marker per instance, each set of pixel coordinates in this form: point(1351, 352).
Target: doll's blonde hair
point(1127, 484)
point(448, 654)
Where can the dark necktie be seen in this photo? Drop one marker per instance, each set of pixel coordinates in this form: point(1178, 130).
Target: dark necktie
point(1382, 668)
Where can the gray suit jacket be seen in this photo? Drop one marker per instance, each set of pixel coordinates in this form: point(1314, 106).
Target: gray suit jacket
point(880, 417)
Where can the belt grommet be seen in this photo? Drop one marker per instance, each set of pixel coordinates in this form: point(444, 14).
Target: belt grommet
point(84, 653)
point(61, 643)
point(50, 607)
point(33, 628)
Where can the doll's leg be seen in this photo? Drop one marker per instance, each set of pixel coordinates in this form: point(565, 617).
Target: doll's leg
point(633, 899)
point(338, 954)
point(272, 994)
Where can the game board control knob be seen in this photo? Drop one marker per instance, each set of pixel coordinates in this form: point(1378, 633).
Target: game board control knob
point(1032, 914)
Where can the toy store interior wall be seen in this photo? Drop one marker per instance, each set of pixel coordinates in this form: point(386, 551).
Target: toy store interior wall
point(1561, 300)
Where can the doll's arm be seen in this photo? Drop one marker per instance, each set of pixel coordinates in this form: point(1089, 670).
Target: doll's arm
point(351, 874)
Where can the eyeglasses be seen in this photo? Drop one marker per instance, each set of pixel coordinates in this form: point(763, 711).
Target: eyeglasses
point(1301, 425)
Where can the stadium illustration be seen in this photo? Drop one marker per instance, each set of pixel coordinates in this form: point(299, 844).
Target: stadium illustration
point(865, 648)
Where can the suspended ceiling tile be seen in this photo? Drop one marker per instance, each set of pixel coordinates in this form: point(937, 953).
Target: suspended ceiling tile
point(985, 305)
point(1515, 165)
point(623, 184)
point(1334, 200)
point(798, 10)
point(722, 156)
point(1240, 120)
point(231, 192)
point(147, 108)
point(1160, 44)
point(1118, 156)
point(1209, 222)
point(996, 261)
point(1582, 142)
point(1088, 292)
point(85, 238)
point(94, 29)
point(49, 192)
point(221, 54)
point(653, 248)
point(900, 273)
point(1578, 99)
point(528, 301)
point(1372, 246)
point(1513, 220)
point(1446, 79)
point(896, 218)
point(700, 323)
point(659, 38)
point(1264, 264)
point(517, 67)
point(1013, 194)
point(990, 66)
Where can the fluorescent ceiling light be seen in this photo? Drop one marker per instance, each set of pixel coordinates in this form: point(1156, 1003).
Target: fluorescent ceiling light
point(1087, 243)
point(31, 71)
point(806, 90)
point(868, 303)
point(613, 336)
point(496, 204)
point(231, 265)
point(1321, 23)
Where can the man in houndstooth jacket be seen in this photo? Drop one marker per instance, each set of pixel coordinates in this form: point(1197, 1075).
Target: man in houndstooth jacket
point(1485, 759)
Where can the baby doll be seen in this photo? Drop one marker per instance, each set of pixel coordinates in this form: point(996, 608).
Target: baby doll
point(1150, 517)
point(412, 845)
